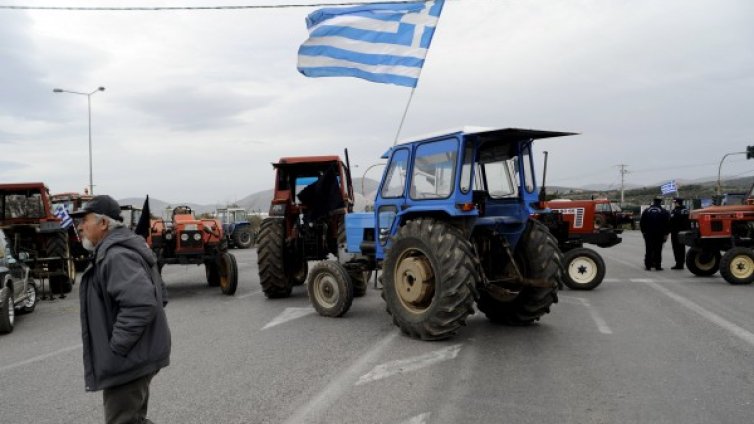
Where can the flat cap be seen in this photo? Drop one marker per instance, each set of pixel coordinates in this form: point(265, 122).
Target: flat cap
point(102, 205)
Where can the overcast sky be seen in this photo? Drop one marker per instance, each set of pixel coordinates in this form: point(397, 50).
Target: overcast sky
point(199, 103)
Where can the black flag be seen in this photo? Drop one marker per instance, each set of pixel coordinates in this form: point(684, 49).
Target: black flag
point(142, 228)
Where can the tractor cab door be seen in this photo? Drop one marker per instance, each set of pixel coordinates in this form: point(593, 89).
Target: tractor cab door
point(390, 199)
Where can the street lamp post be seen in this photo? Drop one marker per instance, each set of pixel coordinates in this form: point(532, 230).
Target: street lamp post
point(89, 104)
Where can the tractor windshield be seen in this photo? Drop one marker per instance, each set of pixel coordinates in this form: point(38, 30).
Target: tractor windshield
point(222, 215)
point(434, 170)
point(21, 204)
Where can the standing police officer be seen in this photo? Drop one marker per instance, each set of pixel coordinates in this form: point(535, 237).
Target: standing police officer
point(679, 221)
point(655, 226)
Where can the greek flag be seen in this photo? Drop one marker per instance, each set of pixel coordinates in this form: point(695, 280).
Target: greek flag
point(669, 187)
point(65, 219)
point(380, 42)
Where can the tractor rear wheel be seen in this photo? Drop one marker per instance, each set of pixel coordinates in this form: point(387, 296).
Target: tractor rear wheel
point(242, 238)
point(737, 266)
point(429, 276)
point(57, 246)
point(702, 262)
point(584, 269)
point(330, 289)
point(7, 313)
point(538, 257)
point(270, 259)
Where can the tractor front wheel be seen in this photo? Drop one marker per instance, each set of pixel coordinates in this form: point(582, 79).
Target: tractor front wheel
point(271, 257)
point(538, 257)
point(330, 289)
point(429, 277)
point(702, 262)
point(584, 269)
point(228, 273)
point(737, 266)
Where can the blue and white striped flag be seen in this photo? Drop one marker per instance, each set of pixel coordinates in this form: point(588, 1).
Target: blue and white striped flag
point(380, 42)
point(669, 187)
point(65, 219)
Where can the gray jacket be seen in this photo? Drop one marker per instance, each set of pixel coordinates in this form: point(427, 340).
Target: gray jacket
point(123, 325)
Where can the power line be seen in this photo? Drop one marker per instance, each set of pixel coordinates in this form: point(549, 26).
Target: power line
point(163, 8)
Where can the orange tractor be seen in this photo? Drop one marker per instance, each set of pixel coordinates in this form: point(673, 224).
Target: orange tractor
point(586, 222)
point(187, 240)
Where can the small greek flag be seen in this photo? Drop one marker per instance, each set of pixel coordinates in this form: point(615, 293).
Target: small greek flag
point(65, 219)
point(669, 187)
point(380, 42)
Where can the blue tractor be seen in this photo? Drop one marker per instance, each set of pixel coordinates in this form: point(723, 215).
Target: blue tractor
point(236, 226)
point(452, 226)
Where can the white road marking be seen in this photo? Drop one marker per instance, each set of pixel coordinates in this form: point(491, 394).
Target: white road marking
point(419, 419)
point(640, 280)
point(611, 280)
point(341, 384)
point(601, 324)
point(39, 358)
point(287, 315)
point(411, 364)
point(244, 296)
point(734, 329)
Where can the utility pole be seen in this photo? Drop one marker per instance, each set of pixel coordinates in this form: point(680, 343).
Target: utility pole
point(623, 171)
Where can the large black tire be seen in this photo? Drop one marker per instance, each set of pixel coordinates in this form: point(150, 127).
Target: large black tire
point(429, 276)
point(228, 273)
point(242, 238)
point(359, 282)
point(584, 269)
point(7, 313)
point(330, 289)
point(737, 266)
point(212, 271)
point(297, 275)
point(702, 263)
point(57, 246)
point(538, 257)
point(270, 259)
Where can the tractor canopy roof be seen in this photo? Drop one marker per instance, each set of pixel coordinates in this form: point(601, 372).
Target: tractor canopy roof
point(23, 186)
point(501, 135)
point(296, 160)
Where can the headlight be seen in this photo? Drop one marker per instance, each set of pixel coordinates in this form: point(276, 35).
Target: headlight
point(184, 237)
point(197, 236)
point(169, 236)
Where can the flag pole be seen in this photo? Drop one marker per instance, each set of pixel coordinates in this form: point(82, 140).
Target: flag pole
point(405, 112)
point(413, 89)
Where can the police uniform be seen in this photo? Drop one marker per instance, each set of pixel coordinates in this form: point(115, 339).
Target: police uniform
point(679, 221)
point(655, 226)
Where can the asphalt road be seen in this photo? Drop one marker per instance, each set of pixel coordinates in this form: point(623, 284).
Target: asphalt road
point(644, 347)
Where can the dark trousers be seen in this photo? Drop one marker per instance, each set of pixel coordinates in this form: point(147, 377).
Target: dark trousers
point(653, 250)
point(679, 250)
point(127, 403)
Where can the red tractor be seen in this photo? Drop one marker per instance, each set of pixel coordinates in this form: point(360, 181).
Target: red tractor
point(30, 226)
point(187, 240)
point(587, 223)
point(306, 222)
point(728, 229)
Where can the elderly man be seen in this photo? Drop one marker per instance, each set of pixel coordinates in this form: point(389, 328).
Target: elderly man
point(124, 329)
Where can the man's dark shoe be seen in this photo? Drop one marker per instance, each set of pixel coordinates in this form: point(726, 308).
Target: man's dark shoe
point(659, 268)
point(647, 268)
point(677, 267)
